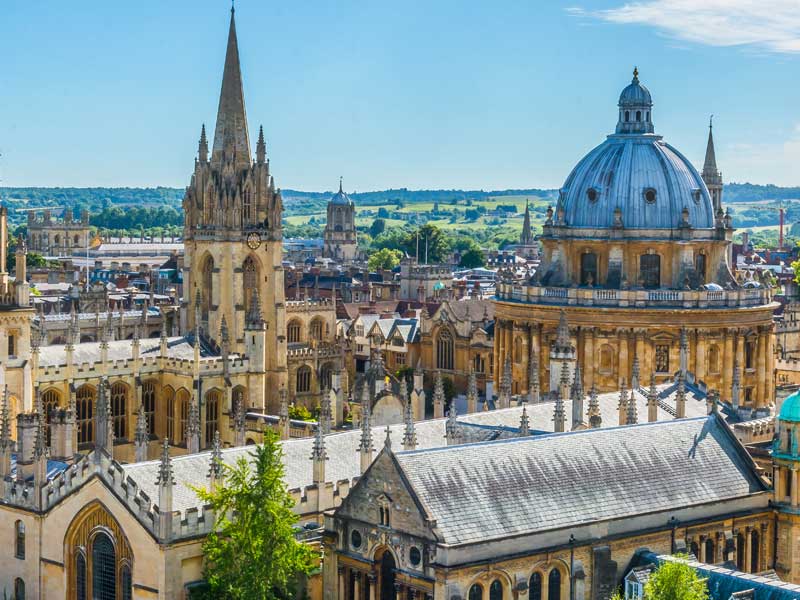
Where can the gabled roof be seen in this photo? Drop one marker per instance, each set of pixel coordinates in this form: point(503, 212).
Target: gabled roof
point(479, 492)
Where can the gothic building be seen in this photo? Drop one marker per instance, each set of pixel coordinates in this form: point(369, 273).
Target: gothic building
point(636, 254)
point(339, 237)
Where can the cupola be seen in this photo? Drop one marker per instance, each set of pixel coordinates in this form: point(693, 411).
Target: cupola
point(635, 108)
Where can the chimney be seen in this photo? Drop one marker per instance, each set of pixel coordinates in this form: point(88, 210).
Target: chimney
point(61, 435)
point(27, 424)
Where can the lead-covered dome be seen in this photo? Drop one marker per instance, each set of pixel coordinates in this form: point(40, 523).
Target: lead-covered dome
point(340, 198)
point(635, 171)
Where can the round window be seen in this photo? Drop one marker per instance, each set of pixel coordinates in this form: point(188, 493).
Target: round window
point(355, 539)
point(650, 195)
point(415, 556)
point(591, 194)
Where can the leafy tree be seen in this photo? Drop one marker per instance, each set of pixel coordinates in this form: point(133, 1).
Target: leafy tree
point(378, 226)
point(438, 243)
point(675, 580)
point(300, 413)
point(385, 258)
point(383, 212)
point(253, 554)
point(473, 258)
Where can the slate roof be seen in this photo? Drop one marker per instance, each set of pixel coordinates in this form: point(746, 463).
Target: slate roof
point(478, 492)
point(470, 310)
point(89, 352)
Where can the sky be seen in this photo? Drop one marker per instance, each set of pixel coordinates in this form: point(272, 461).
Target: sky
point(419, 94)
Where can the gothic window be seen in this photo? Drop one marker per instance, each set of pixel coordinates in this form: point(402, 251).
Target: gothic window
point(212, 415)
point(303, 379)
point(535, 587)
point(589, 268)
point(50, 402)
point(713, 359)
point(80, 576)
point(479, 364)
point(104, 576)
point(149, 401)
point(606, 359)
point(700, 267)
point(476, 592)
point(84, 401)
point(182, 400)
point(317, 328)
point(19, 540)
point(650, 270)
point(518, 350)
point(119, 401)
point(444, 350)
point(662, 358)
point(293, 332)
point(496, 590)
point(12, 345)
point(754, 545)
point(125, 582)
point(169, 399)
point(740, 550)
point(240, 397)
point(250, 280)
point(207, 288)
point(19, 589)
point(709, 556)
point(554, 585)
point(325, 376)
point(247, 207)
point(385, 516)
point(749, 354)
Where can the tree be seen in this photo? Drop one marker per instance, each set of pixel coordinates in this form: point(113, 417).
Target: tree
point(383, 212)
point(378, 226)
point(385, 258)
point(473, 258)
point(253, 554)
point(675, 580)
point(438, 243)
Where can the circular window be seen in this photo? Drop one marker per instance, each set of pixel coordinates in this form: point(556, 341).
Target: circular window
point(415, 556)
point(696, 195)
point(355, 539)
point(591, 194)
point(650, 195)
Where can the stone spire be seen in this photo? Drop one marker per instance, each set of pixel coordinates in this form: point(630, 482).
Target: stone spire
point(438, 396)
point(563, 343)
point(680, 398)
point(622, 405)
point(451, 431)
point(202, 149)
point(409, 433)
point(193, 426)
point(141, 436)
point(325, 410)
point(533, 379)
point(283, 414)
point(684, 352)
point(165, 482)
point(215, 470)
point(576, 393)
point(559, 414)
point(472, 392)
point(319, 455)
point(504, 393)
point(652, 400)
point(261, 147)
point(526, 238)
point(524, 423)
point(365, 448)
point(711, 175)
point(564, 387)
point(231, 139)
point(593, 413)
point(239, 420)
point(635, 373)
point(254, 318)
point(631, 416)
point(103, 420)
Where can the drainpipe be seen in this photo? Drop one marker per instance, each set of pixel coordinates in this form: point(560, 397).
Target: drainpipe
point(571, 567)
point(673, 523)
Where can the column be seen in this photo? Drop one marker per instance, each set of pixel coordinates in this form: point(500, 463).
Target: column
point(794, 487)
point(624, 368)
point(496, 353)
point(371, 583)
point(747, 536)
point(701, 549)
point(762, 547)
point(700, 356)
point(761, 367)
point(588, 358)
point(727, 365)
point(644, 379)
point(356, 585)
point(777, 483)
point(546, 585)
point(341, 592)
point(398, 591)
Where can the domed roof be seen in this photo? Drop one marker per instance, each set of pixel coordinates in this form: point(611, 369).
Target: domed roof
point(635, 94)
point(635, 171)
point(340, 198)
point(790, 409)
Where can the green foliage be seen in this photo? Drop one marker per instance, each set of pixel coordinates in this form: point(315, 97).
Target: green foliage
point(378, 227)
point(472, 258)
point(383, 213)
point(675, 580)
point(253, 554)
point(300, 413)
point(385, 258)
point(449, 389)
point(137, 217)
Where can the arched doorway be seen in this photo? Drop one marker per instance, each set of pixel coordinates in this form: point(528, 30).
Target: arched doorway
point(388, 567)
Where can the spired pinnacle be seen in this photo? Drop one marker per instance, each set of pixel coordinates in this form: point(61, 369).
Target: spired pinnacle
point(215, 464)
point(165, 476)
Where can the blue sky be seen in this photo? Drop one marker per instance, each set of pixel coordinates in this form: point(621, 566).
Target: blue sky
point(417, 94)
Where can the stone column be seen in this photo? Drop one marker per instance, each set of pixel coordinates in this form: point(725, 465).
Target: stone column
point(727, 365)
point(777, 483)
point(794, 487)
point(624, 367)
point(640, 354)
point(340, 591)
point(588, 357)
point(762, 547)
point(357, 585)
point(761, 368)
point(371, 583)
point(701, 549)
point(700, 356)
point(497, 350)
point(747, 557)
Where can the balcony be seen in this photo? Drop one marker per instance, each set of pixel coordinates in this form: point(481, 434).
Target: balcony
point(636, 298)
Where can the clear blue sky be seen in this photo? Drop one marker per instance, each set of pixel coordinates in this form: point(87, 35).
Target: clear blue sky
point(417, 94)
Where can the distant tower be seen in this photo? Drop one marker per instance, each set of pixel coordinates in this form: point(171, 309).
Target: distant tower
point(339, 237)
point(711, 176)
point(527, 244)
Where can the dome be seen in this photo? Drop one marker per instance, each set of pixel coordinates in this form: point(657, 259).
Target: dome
point(340, 198)
point(635, 171)
point(790, 409)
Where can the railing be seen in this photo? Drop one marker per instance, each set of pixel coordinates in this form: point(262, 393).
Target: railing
point(636, 298)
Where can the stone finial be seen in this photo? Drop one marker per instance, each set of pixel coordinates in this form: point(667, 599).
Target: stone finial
point(325, 411)
point(593, 413)
point(652, 400)
point(103, 428)
point(635, 373)
point(472, 392)
point(403, 391)
point(524, 423)
point(622, 405)
point(193, 426)
point(215, 469)
point(680, 398)
point(254, 318)
point(165, 476)
point(564, 387)
point(452, 433)
point(576, 394)
point(533, 379)
point(319, 455)
point(387, 441)
point(684, 351)
point(197, 315)
point(504, 393)
point(239, 419)
point(563, 343)
point(559, 415)
point(631, 415)
point(261, 147)
point(365, 448)
point(283, 414)
point(438, 396)
point(40, 450)
point(409, 433)
point(5, 422)
point(736, 385)
point(141, 437)
point(224, 334)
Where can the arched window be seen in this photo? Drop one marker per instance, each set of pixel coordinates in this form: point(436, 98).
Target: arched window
point(182, 400)
point(535, 587)
point(554, 585)
point(250, 280)
point(168, 395)
point(518, 350)
point(84, 403)
point(207, 288)
point(317, 328)
point(247, 207)
point(588, 268)
point(104, 568)
point(212, 415)
point(713, 359)
point(50, 401)
point(80, 576)
point(19, 540)
point(740, 551)
point(476, 592)
point(606, 359)
point(303, 380)
point(627, 116)
point(293, 331)
point(119, 402)
point(325, 376)
point(19, 589)
point(709, 557)
point(149, 401)
point(749, 354)
point(496, 590)
point(755, 563)
point(125, 582)
point(638, 116)
point(650, 270)
point(76, 240)
point(700, 267)
point(444, 350)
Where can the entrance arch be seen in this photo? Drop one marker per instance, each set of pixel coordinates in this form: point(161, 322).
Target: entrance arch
point(388, 566)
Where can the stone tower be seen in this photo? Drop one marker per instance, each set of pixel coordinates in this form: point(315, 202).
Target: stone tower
point(232, 234)
point(785, 484)
point(339, 237)
point(711, 175)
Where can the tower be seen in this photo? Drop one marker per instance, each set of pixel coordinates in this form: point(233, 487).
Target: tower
point(233, 234)
point(339, 237)
point(785, 469)
point(711, 175)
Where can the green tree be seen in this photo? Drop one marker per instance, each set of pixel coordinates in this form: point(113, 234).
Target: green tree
point(473, 258)
point(438, 243)
point(385, 258)
point(300, 412)
point(675, 580)
point(378, 227)
point(253, 554)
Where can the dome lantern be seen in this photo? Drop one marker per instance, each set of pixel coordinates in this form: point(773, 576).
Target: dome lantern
point(635, 108)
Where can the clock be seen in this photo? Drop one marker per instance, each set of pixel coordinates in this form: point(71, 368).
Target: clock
point(253, 240)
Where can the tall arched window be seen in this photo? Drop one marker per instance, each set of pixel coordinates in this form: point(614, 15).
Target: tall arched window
point(325, 378)
point(496, 590)
point(207, 284)
point(50, 401)
point(84, 403)
point(126, 582)
point(303, 377)
point(317, 328)
point(755, 563)
point(588, 268)
point(212, 415)
point(250, 280)
point(700, 267)
point(535, 587)
point(168, 395)
point(19, 540)
point(182, 400)
point(713, 359)
point(104, 568)
point(247, 207)
point(293, 331)
point(650, 270)
point(740, 551)
point(554, 585)
point(119, 403)
point(149, 401)
point(476, 592)
point(19, 589)
point(444, 350)
point(709, 557)
point(80, 576)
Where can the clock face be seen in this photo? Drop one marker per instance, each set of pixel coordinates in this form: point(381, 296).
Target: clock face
point(253, 240)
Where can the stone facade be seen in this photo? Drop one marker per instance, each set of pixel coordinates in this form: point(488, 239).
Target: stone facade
point(58, 237)
point(340, 240)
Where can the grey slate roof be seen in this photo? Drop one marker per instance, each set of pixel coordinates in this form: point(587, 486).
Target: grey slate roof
point(89, 352)
point(478, 492)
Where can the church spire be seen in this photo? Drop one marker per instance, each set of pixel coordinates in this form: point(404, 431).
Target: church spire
point(526, 238)
point(711, 175)
point(230, 136)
